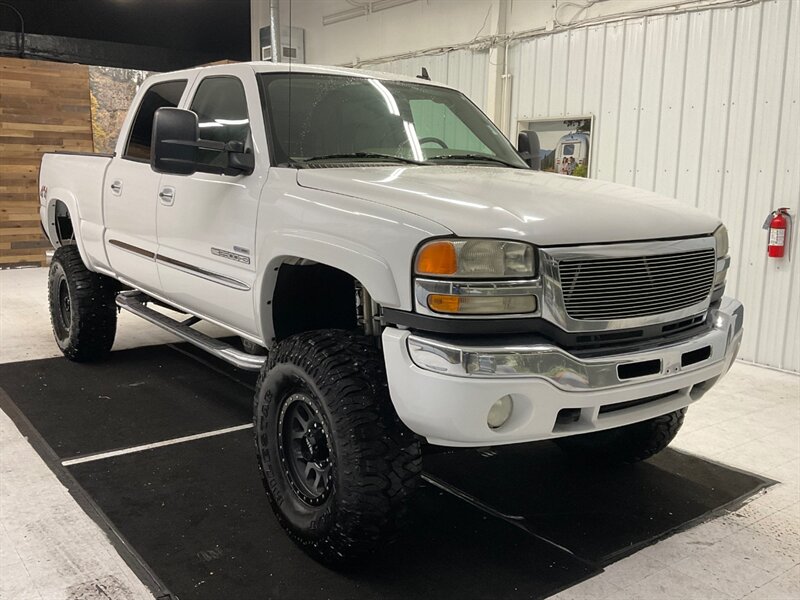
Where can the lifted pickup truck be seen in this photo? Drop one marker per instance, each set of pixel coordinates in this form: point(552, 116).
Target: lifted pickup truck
point(397, 272)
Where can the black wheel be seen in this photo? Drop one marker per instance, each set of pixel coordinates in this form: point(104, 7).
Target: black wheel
point(338, 465)
point(628, 444)
point(82, 309)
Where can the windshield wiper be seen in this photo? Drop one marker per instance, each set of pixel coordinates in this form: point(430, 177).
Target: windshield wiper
point(391, 157)
point(474, 158)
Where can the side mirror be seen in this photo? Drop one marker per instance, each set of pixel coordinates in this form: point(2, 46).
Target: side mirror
point(174, 143)
point(528, 148)
point(239, 159)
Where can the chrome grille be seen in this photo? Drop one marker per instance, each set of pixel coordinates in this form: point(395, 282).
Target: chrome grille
point(622, 288)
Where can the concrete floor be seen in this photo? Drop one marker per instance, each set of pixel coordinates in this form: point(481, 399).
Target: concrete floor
point(50, 549)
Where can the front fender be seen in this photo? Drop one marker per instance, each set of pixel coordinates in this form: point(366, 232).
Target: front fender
point(372, 243)
point(358, 260)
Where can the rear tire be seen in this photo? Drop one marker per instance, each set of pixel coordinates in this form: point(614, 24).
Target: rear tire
point(338, 465)
point(82, 310)
point(625, 445)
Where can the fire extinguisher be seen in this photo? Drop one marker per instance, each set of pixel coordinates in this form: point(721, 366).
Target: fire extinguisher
point(777, 222)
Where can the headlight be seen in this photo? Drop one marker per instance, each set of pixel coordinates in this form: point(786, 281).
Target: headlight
point(476, 258)
point(476, 277)
point(721, 241)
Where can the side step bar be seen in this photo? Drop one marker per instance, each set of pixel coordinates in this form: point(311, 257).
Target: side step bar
point(135, 302)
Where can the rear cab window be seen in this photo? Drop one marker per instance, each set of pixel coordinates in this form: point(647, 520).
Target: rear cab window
point(159, 95)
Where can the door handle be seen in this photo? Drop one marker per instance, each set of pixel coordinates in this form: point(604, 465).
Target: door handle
point(116, 187)
point(167, 196)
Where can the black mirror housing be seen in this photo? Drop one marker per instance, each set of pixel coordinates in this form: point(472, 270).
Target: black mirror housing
point(242, 163)
point(240, 160)
point(529, 149)
point(174, 142)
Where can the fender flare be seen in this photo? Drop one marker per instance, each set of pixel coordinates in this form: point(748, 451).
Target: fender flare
point(360, 262)
point(68, 199)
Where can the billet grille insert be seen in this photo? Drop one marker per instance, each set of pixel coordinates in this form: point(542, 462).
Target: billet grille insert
point(623, 288)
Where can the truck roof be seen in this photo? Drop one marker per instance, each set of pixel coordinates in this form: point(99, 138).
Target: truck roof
point(270, 67)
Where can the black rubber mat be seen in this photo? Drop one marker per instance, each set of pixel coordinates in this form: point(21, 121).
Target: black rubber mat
point(198, 515)
point(600, 514)
point(135, 397)
point(517, 521)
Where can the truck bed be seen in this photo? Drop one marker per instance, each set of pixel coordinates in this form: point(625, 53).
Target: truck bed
point(76, 180)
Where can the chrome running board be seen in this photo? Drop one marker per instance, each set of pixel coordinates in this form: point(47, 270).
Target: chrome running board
point(134, 302)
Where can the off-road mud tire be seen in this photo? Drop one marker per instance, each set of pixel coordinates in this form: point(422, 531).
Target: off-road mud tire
point(375, 461)
point(82, 309)
point(625, 445)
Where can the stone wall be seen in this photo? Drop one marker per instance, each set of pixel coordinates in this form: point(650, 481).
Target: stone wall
point(111, 91)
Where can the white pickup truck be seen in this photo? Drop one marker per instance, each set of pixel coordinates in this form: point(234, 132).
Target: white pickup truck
point(398, 273)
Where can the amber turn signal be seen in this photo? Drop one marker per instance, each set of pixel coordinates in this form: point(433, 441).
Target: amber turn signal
point(437, 258)
point(482, 305)
point(444, 303)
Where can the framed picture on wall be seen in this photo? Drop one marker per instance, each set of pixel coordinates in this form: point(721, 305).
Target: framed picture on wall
point(565, 143)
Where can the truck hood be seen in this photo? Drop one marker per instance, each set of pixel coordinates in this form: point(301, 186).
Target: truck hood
point(542, 208)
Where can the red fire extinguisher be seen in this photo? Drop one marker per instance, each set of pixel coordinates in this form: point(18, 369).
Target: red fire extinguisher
point(778, 224)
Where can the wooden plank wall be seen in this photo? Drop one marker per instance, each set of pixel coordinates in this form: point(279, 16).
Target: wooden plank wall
point(44, 106)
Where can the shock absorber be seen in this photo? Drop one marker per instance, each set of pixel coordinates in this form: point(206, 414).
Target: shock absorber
point(368, 312)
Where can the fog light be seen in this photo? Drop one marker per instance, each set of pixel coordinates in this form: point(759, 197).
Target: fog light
point(500, 412)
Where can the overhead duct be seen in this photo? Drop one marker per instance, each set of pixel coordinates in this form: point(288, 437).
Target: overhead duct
point(362, 9)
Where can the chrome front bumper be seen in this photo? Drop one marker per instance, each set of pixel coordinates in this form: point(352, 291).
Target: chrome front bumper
point(572, 373)
point(443, 391)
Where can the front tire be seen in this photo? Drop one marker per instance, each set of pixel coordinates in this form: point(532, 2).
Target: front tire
point(82, 310)
point(338, 465)
point(625, 445)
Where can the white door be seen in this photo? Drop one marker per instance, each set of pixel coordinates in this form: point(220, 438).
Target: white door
point(131, 190)
point(206, 222)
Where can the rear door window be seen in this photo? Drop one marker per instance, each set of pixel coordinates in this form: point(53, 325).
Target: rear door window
point(160, 95)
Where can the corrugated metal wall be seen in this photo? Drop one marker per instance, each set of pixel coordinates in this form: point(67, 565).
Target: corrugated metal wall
point(701, 106)
point(466, 70)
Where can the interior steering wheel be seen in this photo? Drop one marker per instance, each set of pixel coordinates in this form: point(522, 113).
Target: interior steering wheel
point(425, 140)
point(435, 140)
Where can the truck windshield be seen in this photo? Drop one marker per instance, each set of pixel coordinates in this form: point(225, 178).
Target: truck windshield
point(319, 118)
